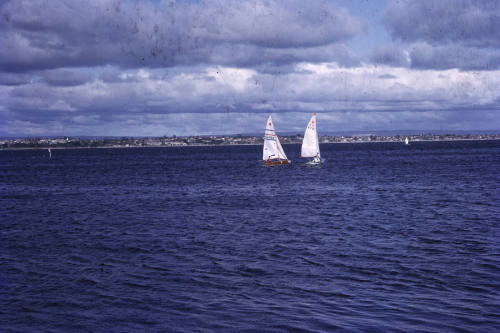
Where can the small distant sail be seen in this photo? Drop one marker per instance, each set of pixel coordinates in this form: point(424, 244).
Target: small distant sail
point(50, 153)
point(407, 141)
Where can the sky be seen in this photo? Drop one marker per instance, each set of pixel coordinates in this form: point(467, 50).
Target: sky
point(154, 68)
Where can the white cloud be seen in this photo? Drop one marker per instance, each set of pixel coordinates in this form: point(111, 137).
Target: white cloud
point(61, 105)
point(365, 95)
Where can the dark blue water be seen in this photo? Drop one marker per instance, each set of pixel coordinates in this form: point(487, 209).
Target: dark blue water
point(381, 237)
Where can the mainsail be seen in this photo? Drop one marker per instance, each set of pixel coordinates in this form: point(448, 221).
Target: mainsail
point(310, 144)
point(272, 146)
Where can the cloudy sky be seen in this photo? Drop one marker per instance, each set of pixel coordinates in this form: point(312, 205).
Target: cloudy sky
point(152, 68)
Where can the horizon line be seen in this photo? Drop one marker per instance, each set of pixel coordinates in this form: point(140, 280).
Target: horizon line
point(284, 133)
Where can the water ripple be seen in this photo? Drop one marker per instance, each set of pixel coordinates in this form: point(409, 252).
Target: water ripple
point(380, 238)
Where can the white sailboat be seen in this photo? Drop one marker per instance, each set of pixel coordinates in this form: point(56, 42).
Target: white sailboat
point(50, 153)
point(407, 142)
point(310, 143)
point(273, 152)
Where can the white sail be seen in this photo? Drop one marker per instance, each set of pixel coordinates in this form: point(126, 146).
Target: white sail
point(272, 145)
point(406, 141)
point(281, 152)
point(310, 143)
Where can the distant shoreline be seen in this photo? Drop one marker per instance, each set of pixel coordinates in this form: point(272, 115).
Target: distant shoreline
point(237, 144)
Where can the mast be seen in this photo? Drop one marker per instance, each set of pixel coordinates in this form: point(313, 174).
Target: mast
point(317, 138)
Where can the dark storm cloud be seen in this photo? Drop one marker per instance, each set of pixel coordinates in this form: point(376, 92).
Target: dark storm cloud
point(14, 79)
point(111, 77)
point(445, 34)
point(64, 78)
point(468, 22)
point(52, 34)
point(246, 55)
point(387, 76)
point(36, 100)
point(425, 56)
point(391, 56)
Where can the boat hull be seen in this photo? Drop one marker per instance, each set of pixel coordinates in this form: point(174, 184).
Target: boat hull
point(315, 162)
point(276, 162)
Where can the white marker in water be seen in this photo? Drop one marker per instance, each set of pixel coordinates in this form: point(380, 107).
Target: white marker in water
point(50, 153)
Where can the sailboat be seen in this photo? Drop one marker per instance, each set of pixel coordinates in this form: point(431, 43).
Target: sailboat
point(407, 142)
point(50, 153)
point(273, 152)
point(310, 143)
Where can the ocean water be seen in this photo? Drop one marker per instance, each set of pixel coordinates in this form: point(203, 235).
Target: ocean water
point(381, 237)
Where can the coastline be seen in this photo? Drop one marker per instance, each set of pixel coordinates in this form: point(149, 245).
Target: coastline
point(240, 144)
